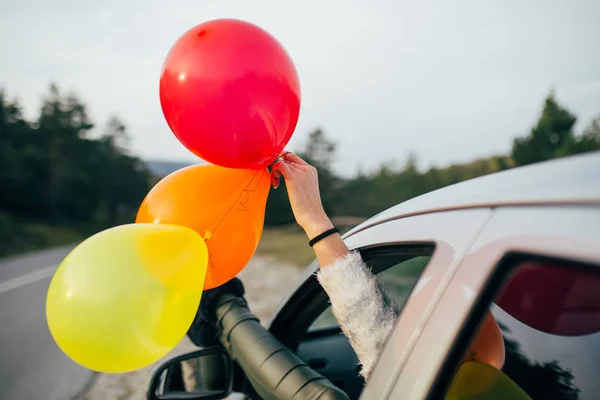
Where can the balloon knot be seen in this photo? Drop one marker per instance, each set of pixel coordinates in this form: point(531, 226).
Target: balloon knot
point(270, 166)
point(208, 235)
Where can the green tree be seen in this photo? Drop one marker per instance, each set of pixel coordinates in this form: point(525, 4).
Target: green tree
point(15, 152)
point(318, 151)
point(370, 193)
point(63, 123)
point(589, 140)
point(124, 180)
point(548, 138)
point(115, 134)
point(52, 170)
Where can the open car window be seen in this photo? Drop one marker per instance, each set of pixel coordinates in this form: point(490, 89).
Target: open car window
point(398, 268)
point(548, 311)
point(398, 272)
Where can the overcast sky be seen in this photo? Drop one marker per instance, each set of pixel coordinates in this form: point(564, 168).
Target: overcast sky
point(449, 80)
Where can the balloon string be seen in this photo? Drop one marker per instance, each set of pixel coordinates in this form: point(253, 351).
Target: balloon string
point(208, 235)
point(281, 157)
point(238, 198)
point(270, 166)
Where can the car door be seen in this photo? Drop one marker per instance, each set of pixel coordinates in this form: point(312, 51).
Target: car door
point(538, 270)
point(384, 245)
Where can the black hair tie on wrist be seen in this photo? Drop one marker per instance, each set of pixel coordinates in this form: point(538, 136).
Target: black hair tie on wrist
point(323, 236)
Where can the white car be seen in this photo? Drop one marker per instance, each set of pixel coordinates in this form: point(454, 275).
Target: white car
point(524, 243)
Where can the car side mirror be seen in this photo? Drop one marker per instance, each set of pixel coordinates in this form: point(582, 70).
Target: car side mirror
point(205, 374)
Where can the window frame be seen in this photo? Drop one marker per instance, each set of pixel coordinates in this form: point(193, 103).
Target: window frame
point(566, 233)
point(451, 232)
point(511, 262)
point(372, 256)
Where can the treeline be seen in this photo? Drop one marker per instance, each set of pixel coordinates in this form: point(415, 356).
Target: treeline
point(57, 170)
point(60, 171)
point(367, 194)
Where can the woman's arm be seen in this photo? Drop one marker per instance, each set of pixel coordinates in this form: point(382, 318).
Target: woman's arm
point(360, 305)
point(302, 182)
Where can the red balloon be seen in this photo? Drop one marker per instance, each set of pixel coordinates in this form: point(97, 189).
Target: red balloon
point(230, 93)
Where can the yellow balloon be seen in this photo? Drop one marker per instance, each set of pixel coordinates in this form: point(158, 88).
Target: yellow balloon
point(481, 381)
point(125, 297)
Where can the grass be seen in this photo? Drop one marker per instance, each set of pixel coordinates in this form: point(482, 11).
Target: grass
point(22, 237)
point(55, 236)
point(400, 279)
point(286, 245)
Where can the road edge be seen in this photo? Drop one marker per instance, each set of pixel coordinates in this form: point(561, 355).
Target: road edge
point(80, 395)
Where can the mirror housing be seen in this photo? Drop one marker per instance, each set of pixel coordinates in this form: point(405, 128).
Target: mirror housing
point(206, 374)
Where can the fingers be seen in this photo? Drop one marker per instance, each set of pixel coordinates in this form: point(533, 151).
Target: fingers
point(290, 167)
point(291, 157)
point(281, 168)
point(275, 180)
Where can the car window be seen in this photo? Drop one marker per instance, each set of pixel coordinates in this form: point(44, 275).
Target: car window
point(397, 280)
point(549, 315)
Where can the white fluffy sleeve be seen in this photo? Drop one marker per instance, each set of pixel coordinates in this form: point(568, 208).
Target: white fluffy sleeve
point(363, 310)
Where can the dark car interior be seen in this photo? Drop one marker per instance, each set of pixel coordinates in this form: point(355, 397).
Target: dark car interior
point(329, 353)
point(327, 350)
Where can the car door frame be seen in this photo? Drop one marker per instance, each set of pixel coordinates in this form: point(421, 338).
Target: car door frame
point(560, 231)
point(452, 233)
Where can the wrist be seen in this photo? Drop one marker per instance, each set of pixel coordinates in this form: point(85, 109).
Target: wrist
point(317, 226)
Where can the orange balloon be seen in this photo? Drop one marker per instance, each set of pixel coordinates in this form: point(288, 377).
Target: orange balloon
point(226, 206)
point(487, 344)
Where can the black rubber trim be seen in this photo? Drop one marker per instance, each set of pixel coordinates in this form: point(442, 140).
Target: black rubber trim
point(310, 300)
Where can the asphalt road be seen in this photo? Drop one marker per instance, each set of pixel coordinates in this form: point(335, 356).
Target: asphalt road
point(32, 367)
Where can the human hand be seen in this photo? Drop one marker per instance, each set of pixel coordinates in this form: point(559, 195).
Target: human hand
point(302, 182)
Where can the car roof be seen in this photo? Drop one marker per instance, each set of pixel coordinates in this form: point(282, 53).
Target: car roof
point(572, 180)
